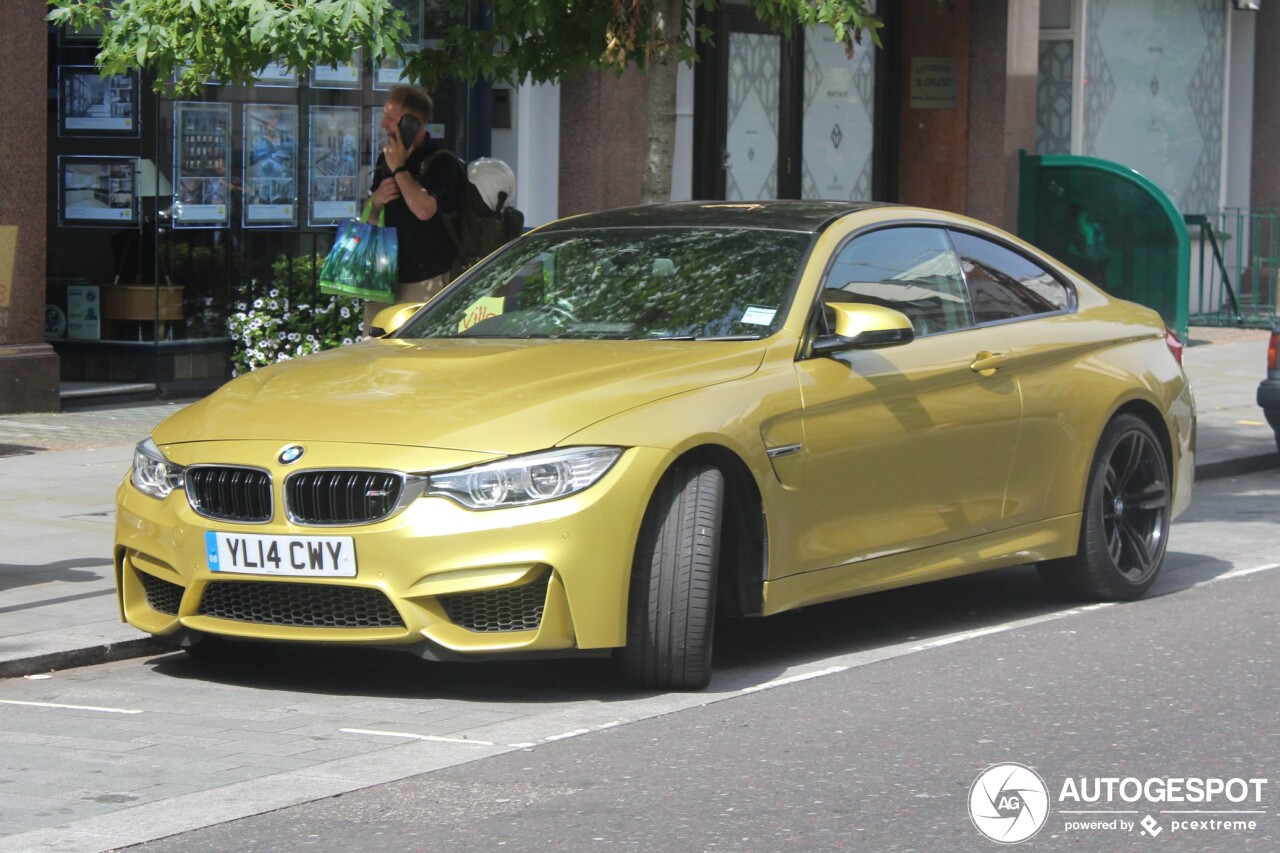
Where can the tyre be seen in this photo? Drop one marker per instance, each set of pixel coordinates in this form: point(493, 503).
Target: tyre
point(1124, 527)
point(671, 606)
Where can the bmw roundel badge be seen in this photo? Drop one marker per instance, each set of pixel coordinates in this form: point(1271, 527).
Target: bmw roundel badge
point(291, 454)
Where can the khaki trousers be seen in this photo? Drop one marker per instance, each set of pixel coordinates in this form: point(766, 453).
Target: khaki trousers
point(407, 291)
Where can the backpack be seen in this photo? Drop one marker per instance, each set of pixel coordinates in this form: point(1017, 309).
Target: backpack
point(476, 229)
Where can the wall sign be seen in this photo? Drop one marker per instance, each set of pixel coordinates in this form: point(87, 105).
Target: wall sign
point(935, 82)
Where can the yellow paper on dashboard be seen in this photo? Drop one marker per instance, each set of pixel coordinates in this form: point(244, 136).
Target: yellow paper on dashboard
point(480, 310)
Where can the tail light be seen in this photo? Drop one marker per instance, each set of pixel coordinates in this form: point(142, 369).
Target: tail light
point(1175, 346)
point(1271, 350)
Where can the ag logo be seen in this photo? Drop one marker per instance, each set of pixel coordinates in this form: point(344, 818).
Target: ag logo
point(1008, 803)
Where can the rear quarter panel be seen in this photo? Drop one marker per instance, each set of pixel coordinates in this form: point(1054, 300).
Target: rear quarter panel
point(1076, 372)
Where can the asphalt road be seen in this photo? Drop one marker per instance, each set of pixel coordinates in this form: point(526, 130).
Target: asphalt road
point(859, 725)
point(876, 758)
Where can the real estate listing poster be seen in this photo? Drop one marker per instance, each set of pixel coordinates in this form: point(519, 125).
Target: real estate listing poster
point(276, 74)
point(98, 191)
point(334, 171)
point(92, 105)
point(344, 75)
point(270, 165)
point(390, 70)
point(201, 154)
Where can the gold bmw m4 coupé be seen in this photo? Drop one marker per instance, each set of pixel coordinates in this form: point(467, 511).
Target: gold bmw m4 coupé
point(625, 424)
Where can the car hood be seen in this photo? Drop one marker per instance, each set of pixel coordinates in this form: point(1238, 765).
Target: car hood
point(494, 396)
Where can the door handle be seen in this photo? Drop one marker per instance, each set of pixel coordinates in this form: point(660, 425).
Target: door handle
point(987, 363)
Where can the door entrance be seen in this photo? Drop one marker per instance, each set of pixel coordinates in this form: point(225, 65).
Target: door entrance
point(787, 117)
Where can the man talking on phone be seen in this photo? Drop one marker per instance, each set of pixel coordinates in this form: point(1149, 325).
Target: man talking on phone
point(412, 186)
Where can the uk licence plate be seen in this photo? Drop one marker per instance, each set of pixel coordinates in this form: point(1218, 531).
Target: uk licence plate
point(294, 556)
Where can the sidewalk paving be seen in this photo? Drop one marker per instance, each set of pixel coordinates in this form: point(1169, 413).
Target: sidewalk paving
point(59, 473)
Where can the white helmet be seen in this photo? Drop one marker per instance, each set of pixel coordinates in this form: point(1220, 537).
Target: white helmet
point(493, 178)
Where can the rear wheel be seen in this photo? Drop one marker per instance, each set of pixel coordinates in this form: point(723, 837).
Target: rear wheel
point(671, 607)
point(1125, 523)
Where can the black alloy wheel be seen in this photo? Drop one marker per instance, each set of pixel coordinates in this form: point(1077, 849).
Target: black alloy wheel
point(1125, 525)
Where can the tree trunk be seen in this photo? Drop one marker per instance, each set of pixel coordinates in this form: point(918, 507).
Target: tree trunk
point(660, 104)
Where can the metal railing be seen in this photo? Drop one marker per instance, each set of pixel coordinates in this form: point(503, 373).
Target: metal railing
point(1235, 268)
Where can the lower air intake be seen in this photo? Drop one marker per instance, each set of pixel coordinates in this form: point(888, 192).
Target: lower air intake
point(516, 608)
point(162, 596)
point(299, 605)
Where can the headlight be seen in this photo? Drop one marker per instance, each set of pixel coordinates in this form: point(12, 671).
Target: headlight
point(523, 480)
point(152, 473)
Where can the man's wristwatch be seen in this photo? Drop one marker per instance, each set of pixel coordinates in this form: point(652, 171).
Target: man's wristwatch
point(398, 170)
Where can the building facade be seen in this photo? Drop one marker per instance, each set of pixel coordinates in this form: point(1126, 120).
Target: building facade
point(136, 228)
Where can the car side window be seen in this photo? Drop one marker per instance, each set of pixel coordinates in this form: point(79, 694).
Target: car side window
point(1005, 285)
point(909, 269)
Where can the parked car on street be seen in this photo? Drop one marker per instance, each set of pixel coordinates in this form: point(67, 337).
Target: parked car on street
point(625, 424)
point(1269, 390)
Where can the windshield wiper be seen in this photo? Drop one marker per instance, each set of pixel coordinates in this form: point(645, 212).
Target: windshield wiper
point(704, 338)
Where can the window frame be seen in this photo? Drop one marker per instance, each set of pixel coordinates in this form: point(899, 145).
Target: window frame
point(813, 325)
point(1073, 299)
point(813, 328)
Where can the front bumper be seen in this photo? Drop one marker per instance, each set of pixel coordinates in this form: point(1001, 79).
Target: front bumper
point(435, 579)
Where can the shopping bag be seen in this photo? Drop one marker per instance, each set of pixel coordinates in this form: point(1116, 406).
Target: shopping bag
point(362, 262)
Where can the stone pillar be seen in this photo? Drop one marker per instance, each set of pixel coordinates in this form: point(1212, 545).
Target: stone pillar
point(1265, 193)
point(28, 365)
point(1002, 105)
point(602, 140)
point(934, 130)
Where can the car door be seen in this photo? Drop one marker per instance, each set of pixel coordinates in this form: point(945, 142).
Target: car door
point(908, 446)
point(1032, 309)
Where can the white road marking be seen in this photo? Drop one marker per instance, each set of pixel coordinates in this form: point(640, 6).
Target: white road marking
point(573, 733)
point(411, 736)
point(35, 426)
point(960, 638)
point(792, 679)
point(1239, 573)
point(69, 707)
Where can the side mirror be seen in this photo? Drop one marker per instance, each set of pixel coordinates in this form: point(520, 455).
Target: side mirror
point(393, 317)
point(863, 326)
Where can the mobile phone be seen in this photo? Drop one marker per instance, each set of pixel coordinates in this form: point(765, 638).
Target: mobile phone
point(408, 129)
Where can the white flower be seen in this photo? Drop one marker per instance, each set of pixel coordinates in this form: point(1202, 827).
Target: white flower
point(258, 303)
point(345, 312)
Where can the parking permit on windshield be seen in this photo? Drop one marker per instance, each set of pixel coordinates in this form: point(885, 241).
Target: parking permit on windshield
point(757, 315)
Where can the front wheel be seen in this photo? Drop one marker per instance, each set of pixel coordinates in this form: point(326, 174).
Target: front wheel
point(671, 608)
point(1125, 524)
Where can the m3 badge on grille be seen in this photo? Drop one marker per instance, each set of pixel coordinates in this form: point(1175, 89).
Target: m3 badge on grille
point(291, 454)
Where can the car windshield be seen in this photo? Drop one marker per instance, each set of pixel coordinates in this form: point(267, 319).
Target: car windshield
point(634, 284)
